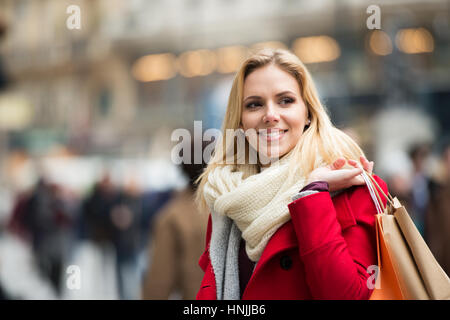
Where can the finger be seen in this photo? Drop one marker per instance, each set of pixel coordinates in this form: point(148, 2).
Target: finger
point(353, 163)
point(339, 163)
point(357, 181)
point(368, 166)
point(371, 164)
point(349, 174)
point(345, 178)
point(364, 162)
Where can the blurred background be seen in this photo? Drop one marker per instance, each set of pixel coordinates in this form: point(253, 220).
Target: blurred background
point(91, 91)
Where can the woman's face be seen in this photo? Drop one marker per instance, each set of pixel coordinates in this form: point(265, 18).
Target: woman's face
point(274, 108)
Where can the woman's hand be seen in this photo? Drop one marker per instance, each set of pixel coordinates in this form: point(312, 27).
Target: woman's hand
point(338, 178)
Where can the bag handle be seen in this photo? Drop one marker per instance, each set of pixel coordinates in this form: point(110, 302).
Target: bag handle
point(388, 197)
point(374, 190)
point(374, 195)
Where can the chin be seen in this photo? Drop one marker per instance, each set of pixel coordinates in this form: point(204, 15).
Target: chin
point(275, 155)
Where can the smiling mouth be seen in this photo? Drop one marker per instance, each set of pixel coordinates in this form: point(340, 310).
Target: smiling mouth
point(272, 135)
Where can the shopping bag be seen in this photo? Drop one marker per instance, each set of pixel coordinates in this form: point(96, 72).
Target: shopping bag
point(386, 286)
point(406, 267)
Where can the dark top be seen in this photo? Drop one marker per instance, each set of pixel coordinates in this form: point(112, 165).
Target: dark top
point(245, 267)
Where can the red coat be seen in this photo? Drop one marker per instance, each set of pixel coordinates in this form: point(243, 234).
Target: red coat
point(322, 252)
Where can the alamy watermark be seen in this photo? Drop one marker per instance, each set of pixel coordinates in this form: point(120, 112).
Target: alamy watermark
point(73, 281)
point(74, 20)
point(372, 282)
point(374, 20)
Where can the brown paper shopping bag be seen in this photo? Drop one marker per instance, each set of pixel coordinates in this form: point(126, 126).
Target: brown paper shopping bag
point(407, 268)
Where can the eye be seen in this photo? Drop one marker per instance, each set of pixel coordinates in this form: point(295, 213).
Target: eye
point(252, 105)
point(287, 100)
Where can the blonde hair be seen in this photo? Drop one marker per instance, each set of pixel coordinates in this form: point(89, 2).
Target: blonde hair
point(320, 138)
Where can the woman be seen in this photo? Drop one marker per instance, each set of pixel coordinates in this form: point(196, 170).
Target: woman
point(297, 223)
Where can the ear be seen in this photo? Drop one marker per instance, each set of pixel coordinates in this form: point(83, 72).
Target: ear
point(307, 117)
point(307, 124)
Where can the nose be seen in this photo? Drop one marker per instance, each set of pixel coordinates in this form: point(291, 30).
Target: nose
point(271, 114)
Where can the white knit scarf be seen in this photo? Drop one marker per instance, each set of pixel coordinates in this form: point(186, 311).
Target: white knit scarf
point(257, 204)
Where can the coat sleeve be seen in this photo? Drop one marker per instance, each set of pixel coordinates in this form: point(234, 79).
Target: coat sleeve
point(337, 241)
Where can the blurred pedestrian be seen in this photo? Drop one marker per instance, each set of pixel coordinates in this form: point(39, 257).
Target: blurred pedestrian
point(420, 186)
point(176, 245)
point(43, 218)
point(152, 203)
point(126, 216)
point(438, 213)
point(291, 217)
point(96, 224)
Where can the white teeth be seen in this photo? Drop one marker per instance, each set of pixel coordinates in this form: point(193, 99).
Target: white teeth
point(272, 134)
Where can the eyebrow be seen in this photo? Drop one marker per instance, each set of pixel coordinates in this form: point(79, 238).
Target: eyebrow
point(277, 95)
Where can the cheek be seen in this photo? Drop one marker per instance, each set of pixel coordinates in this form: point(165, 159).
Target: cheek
point(296, 124)
point(248, 121)
point(296, 119)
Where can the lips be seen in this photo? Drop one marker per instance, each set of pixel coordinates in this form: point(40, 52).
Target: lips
point(272, 134)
